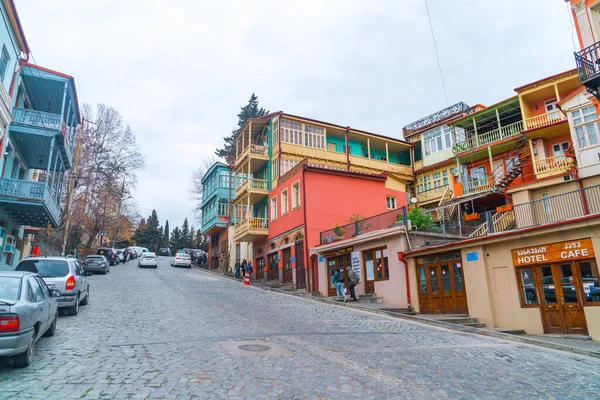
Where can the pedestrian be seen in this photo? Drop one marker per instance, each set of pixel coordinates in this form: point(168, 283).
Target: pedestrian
point(237, 269)
point(249, 269)
point(353, 280)
point(338, 279)
point(244, 265)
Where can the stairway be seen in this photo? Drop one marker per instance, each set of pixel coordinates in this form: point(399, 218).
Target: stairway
point(370, 298)
point(501, 221)
point(459, 319)
point(502, 178)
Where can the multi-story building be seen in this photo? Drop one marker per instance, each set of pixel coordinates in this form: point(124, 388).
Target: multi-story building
point(217, 192)
point(298, 177)
point(42, 108)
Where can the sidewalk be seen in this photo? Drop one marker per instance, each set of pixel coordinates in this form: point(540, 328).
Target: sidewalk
point(575, 344)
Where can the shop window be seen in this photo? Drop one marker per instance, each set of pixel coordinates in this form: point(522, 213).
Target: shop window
point(590, 282)
point(284, 202)
point(527, 287)
point(376, 264)
point(422, 280)
point(390, 202)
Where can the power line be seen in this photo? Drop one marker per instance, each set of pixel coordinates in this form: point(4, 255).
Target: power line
point(436, 53)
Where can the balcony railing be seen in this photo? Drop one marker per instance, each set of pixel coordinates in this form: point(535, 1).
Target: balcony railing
point(29, 191)
point(478, 185)
point(38, 119)
point(588, 62)
point(552, 165)
point(258, 150)
point(374, 223)
point(540, 121)
point(486, 138)
point(431, 194)
point(260, 185)
point(252, 150)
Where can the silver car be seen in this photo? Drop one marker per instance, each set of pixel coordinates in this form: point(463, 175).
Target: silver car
point(181, 260)
point(28, 311)
point(96, 263)
point(148, 260)
point(63, 274)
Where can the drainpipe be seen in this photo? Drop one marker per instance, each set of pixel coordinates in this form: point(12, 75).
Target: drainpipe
point(403, 260)
point(229, 208)
point(306, 259)
point(347, 148)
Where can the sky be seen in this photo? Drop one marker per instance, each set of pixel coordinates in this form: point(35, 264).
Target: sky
point(179, 71)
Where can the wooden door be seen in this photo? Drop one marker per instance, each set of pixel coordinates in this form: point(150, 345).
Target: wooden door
point(423, 290)
point(458, 287)
point(300, 270)
point(435, 299)
point(331, 268)
point(369, 272)
point(446, 293)
point(562, 306)
point(273, 272)
point(287, 265)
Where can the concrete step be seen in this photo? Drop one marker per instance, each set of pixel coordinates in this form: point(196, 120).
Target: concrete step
point(402, 311)
point(367, 296)
point(508, 331)
point(459, 320)
point(475, 324)
point(370, 300)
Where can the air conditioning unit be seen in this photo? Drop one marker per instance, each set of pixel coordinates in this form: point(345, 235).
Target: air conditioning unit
point(10, 245)
point(568, 177)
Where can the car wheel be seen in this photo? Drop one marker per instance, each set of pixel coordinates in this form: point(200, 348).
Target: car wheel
point(85, 301)
point(189, 266)
point(74, 310)
point(52, 330)
point(24, 359)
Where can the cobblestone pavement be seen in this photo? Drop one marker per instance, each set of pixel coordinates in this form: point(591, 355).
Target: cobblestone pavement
point(175, 333)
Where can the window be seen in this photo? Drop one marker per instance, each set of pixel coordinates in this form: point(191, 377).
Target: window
point(445, 177)
point(527, 287)
point(273, 208)
point(478, 175)
point(437, 139)
point(275, 172)
point(295, 195)
point(590, 282)
point(314, 136)
point(291, 132)
point(38, 295)
point(287, 165)
point(585, 122)
point(275, 131)
point(4, 60)
point(284, 202)
point(44, 287)
point(390, 202)
point(376, 264)
point(437, 179)
point(546, 201)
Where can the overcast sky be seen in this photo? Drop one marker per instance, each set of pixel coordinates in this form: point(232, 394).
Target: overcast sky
point(178, 71)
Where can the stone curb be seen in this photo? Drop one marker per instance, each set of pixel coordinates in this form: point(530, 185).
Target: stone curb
point(447, 325)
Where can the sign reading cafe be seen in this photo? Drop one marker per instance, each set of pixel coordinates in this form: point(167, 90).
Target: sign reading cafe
point(554, 252)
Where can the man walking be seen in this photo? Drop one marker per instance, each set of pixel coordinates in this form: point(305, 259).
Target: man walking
point(338, 280)
point(353, 280)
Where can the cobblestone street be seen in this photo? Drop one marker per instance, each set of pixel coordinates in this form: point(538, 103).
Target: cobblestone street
point(176, 333)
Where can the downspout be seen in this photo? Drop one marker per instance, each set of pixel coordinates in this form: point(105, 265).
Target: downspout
point(402, 259)
point(347, 148)
point(229, 209)
point(306, 258)
point(279, 144)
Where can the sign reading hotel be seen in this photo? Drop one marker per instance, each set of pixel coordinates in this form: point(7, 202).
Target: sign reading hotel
point(339, 251)
point(554, 252)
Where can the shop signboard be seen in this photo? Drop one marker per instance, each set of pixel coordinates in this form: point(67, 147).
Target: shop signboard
point(554, 252)
point(338, 252)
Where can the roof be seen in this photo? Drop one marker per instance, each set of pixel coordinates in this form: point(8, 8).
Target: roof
point(213, 167)
point(485, 110)
point(13, 15)
point(545, 79)
point(16, 273)
point(436, 118)
point(571, 95)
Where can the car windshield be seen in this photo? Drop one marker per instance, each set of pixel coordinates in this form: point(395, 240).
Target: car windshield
point(10, 287)
point(45, 268)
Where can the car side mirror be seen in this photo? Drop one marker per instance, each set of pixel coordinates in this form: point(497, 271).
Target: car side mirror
point(55, 293)
point(88, 273)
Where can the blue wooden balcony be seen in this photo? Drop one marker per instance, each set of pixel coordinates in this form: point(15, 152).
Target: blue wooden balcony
point(30, 203)
point(32, 131)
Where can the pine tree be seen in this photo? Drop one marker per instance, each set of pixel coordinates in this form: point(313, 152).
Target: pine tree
point(161, 237)
point(152, 233)
point(185, 232)
point(176, 239)
point(191, 239)
point(139, 236)
point(167, 231)
point(250, 110)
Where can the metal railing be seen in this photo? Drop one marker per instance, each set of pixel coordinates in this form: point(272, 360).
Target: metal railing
point(588, 62)
point(39, 119)
point(374, 223)
point(482, 139)
point(539, 121)
point(30, 191)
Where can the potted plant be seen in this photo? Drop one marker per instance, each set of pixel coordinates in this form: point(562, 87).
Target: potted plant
point(339, 231)
point(472, 217)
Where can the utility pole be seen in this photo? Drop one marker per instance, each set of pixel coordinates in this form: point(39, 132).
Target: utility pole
point(72, 188)
point(118, 213)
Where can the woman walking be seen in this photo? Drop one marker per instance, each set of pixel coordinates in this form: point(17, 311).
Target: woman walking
point(244, 265)
point(338, 280)
point(237, 269)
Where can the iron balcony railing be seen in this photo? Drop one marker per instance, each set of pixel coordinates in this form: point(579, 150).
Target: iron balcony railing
point(29, 191)
point(38, 119)
point(588, 62)
point(374, 223)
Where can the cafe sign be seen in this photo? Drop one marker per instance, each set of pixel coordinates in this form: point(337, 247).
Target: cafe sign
point(554, 252)
point(338, 252)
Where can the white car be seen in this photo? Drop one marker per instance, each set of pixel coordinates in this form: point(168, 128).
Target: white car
point(148, 260)
point(181, 260)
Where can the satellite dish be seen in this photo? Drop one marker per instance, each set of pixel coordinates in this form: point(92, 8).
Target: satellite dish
point(413, 200)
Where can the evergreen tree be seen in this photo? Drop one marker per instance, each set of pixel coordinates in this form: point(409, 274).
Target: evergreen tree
point(161, 237)
point(176, 239)
point(185, 232)
point(139, 236)
point(250, 110)
point(167, 231)
point(152, 233)
point(191, 239)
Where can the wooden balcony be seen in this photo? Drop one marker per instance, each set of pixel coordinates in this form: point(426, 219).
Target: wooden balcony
point(251, 229)
point(544, 120)
point(255, 188)
point(552, 166)
point(490, 137)
point(432, 194)
point(478, 186)
point(372, 165)
point(256, 152)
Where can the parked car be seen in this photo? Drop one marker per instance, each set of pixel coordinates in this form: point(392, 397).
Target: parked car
point(181, 260)
point(164, 251)
point(28, 311)
point(132, 253)
point(63, 274)
point(122, 255)
point(109, 253)
point(148, 260)
point(96, 264)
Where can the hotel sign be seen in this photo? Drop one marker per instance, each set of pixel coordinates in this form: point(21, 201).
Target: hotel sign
point(554, 252)
point(338, 252)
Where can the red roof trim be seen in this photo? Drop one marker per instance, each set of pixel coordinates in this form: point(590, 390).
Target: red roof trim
point(571, 95)
point(545, 79)
point(351, 174)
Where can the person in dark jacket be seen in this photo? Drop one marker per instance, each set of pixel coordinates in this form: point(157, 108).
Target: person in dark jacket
point(237, 269)
point(338, 280)
point(244, 265)
point(353, 280)
point(249, 269)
